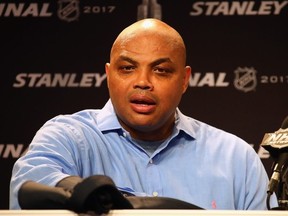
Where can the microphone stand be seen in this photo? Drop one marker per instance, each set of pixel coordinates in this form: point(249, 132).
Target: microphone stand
point(283, 189)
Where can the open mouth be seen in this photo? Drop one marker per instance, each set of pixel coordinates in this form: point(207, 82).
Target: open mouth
point(142, 104)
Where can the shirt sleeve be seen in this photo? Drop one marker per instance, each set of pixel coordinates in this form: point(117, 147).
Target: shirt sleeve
point(50, 158)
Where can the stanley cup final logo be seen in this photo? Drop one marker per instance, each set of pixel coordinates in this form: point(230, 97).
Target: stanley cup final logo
point(149, 9)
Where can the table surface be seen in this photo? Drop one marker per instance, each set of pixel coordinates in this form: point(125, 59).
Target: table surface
point(147, 213)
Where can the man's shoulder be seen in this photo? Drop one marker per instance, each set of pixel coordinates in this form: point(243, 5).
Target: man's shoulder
point(79, 115)
point(213, 134)
point(95, 119)
point(78, 119)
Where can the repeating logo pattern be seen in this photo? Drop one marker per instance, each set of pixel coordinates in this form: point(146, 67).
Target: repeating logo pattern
point(68, 10)
point(245, 79)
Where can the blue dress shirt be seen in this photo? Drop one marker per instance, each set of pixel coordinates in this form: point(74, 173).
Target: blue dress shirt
point(199, 163)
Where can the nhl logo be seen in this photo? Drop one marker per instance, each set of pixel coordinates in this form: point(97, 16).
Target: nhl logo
point(68, 10)
point(245, 79)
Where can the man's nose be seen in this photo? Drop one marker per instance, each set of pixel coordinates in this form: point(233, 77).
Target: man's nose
point(143, 81)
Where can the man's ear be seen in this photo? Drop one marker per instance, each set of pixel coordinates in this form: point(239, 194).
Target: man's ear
point(107, 67)
point(187, 74)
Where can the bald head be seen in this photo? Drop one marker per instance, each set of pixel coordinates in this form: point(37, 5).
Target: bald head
point(146, 77)
point(150, 28)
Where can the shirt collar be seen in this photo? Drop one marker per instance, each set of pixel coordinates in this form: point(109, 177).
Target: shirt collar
point(107, 120)
point(186, 124)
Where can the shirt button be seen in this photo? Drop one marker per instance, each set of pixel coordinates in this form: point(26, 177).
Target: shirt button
point(155, 194)
point(151, 161)
point(124, 134)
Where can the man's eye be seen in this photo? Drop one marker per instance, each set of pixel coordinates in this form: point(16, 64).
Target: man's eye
point(127, 68)
point(162, 70)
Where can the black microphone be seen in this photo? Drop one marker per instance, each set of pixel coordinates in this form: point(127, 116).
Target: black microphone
point(277, 145)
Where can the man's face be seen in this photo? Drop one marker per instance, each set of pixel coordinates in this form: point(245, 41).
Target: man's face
point(146, 79)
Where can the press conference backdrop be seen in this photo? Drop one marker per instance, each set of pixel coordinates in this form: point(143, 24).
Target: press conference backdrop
point(53, 54)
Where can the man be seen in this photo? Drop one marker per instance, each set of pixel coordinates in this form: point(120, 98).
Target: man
point(141, 139)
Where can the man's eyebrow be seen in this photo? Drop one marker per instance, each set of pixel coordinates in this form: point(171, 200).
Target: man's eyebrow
point(159, 61)
point(154, 63)
point(128, 59)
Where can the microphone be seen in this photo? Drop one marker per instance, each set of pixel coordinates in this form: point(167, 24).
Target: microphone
point(277, 145)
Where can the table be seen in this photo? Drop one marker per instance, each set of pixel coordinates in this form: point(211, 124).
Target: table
point(146, 213)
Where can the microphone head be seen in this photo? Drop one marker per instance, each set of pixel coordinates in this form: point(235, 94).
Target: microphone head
point(284, 124)
point(277, 143)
